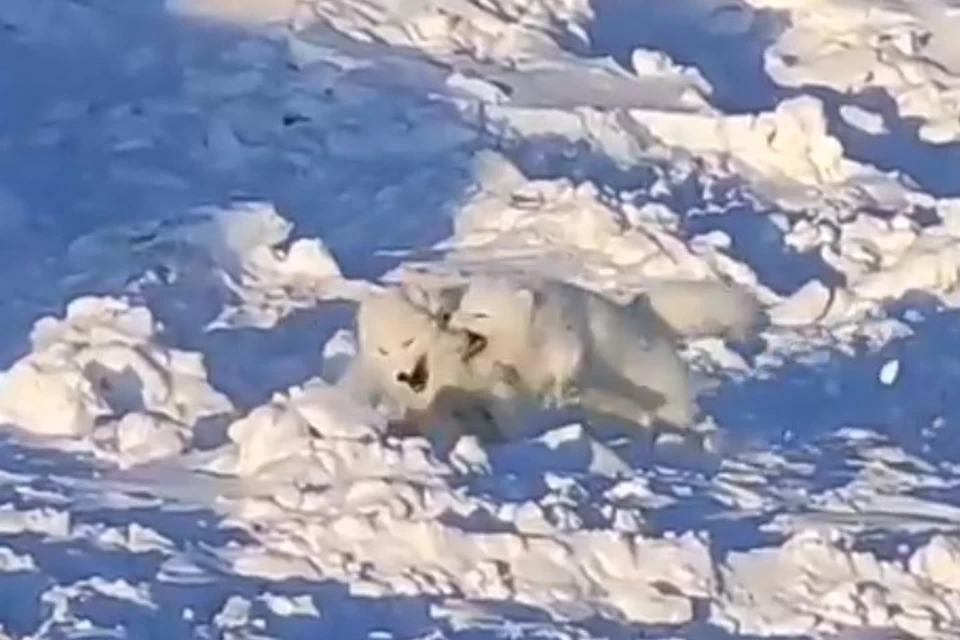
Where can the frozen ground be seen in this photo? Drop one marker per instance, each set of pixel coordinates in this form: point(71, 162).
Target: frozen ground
point(193, 192)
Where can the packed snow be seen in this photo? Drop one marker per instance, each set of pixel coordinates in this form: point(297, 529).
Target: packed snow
point(196, 194)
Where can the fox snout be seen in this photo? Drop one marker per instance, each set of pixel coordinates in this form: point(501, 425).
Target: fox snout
point(416, 379)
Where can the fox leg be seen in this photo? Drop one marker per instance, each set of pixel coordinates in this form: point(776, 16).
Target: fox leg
point(478, 420)
point(412, 423)
point(600, 402)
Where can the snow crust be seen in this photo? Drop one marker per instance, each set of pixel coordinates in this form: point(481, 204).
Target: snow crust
point(195, 194)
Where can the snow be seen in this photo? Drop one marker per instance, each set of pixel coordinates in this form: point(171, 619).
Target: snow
point(195, 194)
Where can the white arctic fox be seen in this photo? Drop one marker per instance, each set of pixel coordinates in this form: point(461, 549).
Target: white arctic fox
point(408, 357)
point(567, 345)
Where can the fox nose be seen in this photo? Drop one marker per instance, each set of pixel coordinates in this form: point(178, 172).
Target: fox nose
point(416, 379)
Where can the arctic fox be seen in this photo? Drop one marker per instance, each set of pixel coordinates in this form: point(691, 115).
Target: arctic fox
point(408, 358)
point(567, 345)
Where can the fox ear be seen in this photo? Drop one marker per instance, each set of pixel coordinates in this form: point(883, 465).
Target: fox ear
point(438, 302)
point(416, 294)
point(446, 302)
point(525, 299)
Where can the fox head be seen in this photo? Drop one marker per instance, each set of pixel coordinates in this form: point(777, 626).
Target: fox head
point(402, 343)
point(497, 309)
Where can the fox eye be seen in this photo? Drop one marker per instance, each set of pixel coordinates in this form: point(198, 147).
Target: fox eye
point(481, 314)
point(407, 343)
point(445, 317)
point(382, 351)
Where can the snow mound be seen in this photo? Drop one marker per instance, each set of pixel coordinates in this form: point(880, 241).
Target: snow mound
point(303, 433)
point(903, 49)
point(570, 231)
point(322, 483)
point(102, 371)
point(789, 143)
point(504, 32)
point(815, 583)
point(242, 252)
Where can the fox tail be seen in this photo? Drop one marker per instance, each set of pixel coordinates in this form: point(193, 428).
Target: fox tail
point(701, 308)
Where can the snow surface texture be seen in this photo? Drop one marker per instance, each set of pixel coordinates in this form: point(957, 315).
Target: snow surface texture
point(194, 193)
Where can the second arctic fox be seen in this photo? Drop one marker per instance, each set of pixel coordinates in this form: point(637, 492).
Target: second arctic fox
point(567, 345)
